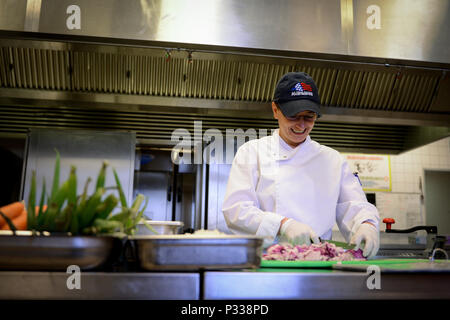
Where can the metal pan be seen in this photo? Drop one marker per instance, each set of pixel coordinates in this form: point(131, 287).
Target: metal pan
point(191, 252)
point(25, 250)
point(161, 227)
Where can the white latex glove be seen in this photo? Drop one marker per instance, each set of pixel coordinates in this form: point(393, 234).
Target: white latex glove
point(370, 235)
point(295, 232)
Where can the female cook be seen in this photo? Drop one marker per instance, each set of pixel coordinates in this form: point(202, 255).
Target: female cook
point(289, 187)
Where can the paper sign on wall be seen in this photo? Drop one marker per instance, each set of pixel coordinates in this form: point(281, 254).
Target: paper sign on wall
point(374, 171)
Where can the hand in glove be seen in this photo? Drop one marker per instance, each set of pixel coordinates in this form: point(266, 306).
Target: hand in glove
point(370, 235)
point(295, 232)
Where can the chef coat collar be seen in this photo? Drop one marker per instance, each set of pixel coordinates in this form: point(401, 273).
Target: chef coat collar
point(285, 151)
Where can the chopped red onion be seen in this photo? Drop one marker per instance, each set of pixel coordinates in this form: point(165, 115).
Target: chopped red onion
point(324, 251)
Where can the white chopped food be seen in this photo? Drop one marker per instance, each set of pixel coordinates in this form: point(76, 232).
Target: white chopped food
point(204, 232)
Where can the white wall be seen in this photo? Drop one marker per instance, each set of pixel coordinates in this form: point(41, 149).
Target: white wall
point(405, 203)
point(408, 174)
point(407, 168)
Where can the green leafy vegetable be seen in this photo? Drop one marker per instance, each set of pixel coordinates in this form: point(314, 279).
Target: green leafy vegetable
point(31, 203)
point(123, 200)
point(65, 211)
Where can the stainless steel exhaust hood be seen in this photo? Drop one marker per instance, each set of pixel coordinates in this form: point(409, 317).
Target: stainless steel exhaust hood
point(152, 82)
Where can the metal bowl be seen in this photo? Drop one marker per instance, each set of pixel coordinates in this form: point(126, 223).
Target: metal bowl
point(27, 250)
point(162, 227)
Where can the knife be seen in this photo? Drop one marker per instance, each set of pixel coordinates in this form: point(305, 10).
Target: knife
point(343, 245)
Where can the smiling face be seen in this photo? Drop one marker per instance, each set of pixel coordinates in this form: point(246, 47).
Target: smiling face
point(294, 130)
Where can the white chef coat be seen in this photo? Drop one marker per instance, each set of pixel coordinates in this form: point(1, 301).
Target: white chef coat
point(312, 183)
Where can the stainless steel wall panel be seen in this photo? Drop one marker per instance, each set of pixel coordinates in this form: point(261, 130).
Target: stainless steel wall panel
point(118, 148)
point(13, 14)
point(415, 31)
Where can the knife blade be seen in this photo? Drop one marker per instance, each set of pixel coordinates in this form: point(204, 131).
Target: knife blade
point(343, 245)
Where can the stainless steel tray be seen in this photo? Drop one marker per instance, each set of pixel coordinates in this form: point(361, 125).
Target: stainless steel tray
point(43, 251)
point(191, 252)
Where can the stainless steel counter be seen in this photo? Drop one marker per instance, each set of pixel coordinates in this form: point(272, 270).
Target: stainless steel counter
point(239, 284)
point(100, 285)
point(325, 284)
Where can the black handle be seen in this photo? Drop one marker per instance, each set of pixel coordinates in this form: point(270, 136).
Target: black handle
point(169, 193)
point(179, 194)
point(188, 230)
point(428, 229)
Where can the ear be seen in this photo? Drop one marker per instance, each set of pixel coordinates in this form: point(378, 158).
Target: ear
point(275, 110)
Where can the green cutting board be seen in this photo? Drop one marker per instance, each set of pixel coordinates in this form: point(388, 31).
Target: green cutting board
point(397, 265)
point(329, 264)
point(296, 264)
point(384, 261)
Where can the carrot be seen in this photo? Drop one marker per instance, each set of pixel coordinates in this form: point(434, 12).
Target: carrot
point(19, 222)
point(36, 209)
point(12, 211)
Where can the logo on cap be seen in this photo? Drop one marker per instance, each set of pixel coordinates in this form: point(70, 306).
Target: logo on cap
point(301, 89)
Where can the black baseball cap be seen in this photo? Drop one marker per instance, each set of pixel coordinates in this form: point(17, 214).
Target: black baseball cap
point(297, 92)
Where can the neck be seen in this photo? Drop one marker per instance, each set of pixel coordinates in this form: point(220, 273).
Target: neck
point(291, 144)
